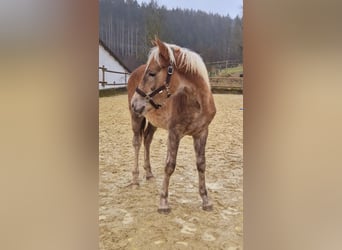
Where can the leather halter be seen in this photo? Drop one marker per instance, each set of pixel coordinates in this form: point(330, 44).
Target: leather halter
point(149, 97)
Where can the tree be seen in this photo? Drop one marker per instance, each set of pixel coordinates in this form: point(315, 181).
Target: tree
point(127, 28)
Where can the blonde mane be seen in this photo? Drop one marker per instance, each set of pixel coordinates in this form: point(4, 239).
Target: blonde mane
point(189, 60)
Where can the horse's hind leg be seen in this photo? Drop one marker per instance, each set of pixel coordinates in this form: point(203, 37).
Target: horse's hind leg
point(148, 136)
point(138, 125)
point(199, 145)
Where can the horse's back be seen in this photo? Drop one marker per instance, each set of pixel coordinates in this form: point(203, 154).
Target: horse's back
point(134, 80)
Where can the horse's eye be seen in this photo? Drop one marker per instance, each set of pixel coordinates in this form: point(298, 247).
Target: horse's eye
point(151, 74)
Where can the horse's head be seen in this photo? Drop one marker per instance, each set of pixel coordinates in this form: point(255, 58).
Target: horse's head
point(154, 87)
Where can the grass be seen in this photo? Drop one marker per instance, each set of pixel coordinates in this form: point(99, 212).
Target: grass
point(230, 71)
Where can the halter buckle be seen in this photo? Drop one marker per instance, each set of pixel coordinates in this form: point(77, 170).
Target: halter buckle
point(168, 90)
point(170, 70)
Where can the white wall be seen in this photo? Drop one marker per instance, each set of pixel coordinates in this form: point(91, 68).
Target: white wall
point(111, 64)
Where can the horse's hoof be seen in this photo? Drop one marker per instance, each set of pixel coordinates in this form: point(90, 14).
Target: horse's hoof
point(150, 177)
point(164, 210)
point(208, 207)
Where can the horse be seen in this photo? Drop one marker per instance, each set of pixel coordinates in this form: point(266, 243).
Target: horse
point(171, 91)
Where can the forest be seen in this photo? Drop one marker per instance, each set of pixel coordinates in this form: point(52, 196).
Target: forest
point(128, 27)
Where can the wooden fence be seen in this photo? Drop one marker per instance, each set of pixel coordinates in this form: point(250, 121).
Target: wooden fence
point(103, 81)
point(218, 84)
point(215, 67)
point(227, 84)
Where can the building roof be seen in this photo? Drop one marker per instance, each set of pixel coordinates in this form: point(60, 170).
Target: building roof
point(113, 55)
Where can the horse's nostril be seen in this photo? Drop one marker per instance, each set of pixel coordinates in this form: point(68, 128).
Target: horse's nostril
point(138, 110)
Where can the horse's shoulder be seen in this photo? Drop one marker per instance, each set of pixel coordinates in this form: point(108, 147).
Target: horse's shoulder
point(186, 101)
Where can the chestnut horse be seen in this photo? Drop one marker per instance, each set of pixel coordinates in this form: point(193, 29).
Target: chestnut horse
point(171, 91)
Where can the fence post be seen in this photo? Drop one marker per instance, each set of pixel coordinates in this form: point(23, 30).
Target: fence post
point(103, 76)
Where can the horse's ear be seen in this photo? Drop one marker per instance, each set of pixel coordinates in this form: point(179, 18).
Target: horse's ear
point(163, 50)
point(154, 42)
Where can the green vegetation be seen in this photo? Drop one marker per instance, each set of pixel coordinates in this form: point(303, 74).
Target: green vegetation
point(235, 71)
point(231, 71)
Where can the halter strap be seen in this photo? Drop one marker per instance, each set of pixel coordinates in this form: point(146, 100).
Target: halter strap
point(149, 97)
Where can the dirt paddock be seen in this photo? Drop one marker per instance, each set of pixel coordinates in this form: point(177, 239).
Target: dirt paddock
point(128, 218)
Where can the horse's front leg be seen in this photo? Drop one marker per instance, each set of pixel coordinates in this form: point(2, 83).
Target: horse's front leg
point(137, 127)
point(199, 145)
point(172, 148)
point(148, 136)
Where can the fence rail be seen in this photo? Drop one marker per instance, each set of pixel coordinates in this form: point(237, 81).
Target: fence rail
point(223, 64)
point(226, 84)
point(103, 81)
point(215, 67)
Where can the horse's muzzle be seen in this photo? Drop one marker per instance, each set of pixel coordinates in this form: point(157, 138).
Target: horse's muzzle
point(138, 110)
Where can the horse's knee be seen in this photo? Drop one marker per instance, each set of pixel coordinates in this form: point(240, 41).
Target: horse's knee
point(201, 165)
point(170, 168)
point(136, 142)
point(203, 191)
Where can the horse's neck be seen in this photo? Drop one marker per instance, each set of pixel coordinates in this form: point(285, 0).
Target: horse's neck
point(197, 84)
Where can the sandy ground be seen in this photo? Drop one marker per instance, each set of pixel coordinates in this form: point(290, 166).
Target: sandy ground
point(128, 218)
